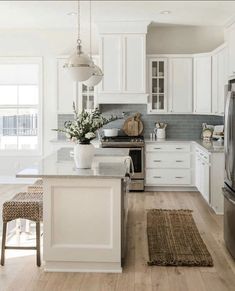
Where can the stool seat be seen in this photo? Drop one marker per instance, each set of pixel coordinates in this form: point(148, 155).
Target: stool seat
point(36, 187)
point(25, 205)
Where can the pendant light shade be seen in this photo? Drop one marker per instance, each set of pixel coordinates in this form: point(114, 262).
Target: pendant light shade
point(79, 65)
point(95, 78)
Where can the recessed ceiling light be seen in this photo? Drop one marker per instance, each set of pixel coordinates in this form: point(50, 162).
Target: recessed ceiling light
point(72, 13)
point(165, 12)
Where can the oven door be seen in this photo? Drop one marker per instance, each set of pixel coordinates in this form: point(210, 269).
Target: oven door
point(137, 157)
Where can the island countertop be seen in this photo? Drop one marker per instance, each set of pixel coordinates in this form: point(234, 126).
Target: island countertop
point(108, 163)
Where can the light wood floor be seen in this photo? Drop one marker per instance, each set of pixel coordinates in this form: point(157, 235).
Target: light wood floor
point(22, 274)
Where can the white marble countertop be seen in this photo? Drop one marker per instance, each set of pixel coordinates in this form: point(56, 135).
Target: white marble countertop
point(108, 163)
point(211, 146)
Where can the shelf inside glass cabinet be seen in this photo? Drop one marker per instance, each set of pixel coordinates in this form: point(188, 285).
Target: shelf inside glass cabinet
point(158, 101)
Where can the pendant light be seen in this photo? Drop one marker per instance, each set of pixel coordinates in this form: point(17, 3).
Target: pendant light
point(79, 65)
point(97, 73)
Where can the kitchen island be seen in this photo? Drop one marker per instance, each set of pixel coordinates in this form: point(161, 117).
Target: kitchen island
point(84, 211)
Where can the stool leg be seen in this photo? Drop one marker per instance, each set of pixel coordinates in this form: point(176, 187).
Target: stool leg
point(4, 235)
point(38, 243)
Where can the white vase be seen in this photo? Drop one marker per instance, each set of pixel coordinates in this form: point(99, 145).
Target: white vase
point(83, 155)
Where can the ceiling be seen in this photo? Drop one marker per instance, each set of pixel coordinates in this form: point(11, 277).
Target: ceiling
point(53, 14)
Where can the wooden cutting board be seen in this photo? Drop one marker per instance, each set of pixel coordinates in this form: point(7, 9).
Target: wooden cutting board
point(133, 126)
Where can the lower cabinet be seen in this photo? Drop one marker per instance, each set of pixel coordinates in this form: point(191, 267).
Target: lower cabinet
point(168, 164)
point(209, 177)
point(186, 165)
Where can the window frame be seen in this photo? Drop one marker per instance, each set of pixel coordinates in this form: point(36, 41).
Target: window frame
point(39, 62)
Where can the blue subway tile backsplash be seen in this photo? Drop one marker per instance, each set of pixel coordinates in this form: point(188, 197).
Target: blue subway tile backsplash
point(180, 126)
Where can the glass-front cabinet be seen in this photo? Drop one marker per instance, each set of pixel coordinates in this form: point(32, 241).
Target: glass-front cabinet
point(87, 98)
point(157, 85)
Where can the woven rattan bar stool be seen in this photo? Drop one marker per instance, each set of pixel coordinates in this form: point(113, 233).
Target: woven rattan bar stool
point(25, 205)
point(36, 187)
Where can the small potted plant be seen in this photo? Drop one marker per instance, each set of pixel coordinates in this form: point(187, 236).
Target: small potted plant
point(81, 131)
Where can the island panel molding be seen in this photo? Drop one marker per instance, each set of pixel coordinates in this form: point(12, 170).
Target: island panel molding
point(83, 224)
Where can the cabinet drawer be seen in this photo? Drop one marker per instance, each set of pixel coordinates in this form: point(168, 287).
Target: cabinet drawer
point(168, 177)
point(164, 147)
point(167, 160)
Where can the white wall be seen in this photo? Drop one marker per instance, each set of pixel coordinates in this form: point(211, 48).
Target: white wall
point(183, 39)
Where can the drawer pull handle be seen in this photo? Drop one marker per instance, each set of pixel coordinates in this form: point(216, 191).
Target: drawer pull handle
point(179, 177)
point(157, 161)
point(157, 177)
point(178, 148)
point(157, 148)
point(179, 161)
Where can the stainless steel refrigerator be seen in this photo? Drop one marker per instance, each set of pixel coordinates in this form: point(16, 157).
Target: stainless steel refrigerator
point(229, 183)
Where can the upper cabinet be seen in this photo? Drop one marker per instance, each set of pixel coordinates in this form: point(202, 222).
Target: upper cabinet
point(134, 65)
point(111, 49)
point(219, 79)
point(180, 86)
point(230, 37)
point(202, 84)
point(157, 85)
point(123, 61)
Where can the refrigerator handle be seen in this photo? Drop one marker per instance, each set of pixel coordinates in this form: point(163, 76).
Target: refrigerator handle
point(227, 133)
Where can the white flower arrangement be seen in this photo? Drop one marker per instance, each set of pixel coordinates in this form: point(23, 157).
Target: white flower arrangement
point(84, 126)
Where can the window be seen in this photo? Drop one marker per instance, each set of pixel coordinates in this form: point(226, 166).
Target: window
point(20, 105)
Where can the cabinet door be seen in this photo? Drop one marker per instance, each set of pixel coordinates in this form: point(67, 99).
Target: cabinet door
point(134, 63)
point(222, 79)
point(231, 50)
point(205, 189)
point(180, 85)
point(111, 63)
point(198, 172)
point(219, 80)
point(157, 85)
point(202, 84)
point(67, 90)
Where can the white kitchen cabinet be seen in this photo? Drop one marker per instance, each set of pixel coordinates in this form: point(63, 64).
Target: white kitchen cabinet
point(168, 164)
point(123, 61)
point(134, 56)
point(230, 36)
point(202, 84)
point(157, 85)
point(209, 173)
point(111, 49)
point(180, 72)
point(67, 90)
point(219, 79)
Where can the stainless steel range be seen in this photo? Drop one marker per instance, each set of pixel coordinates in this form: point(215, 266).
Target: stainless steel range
point(136, 152)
